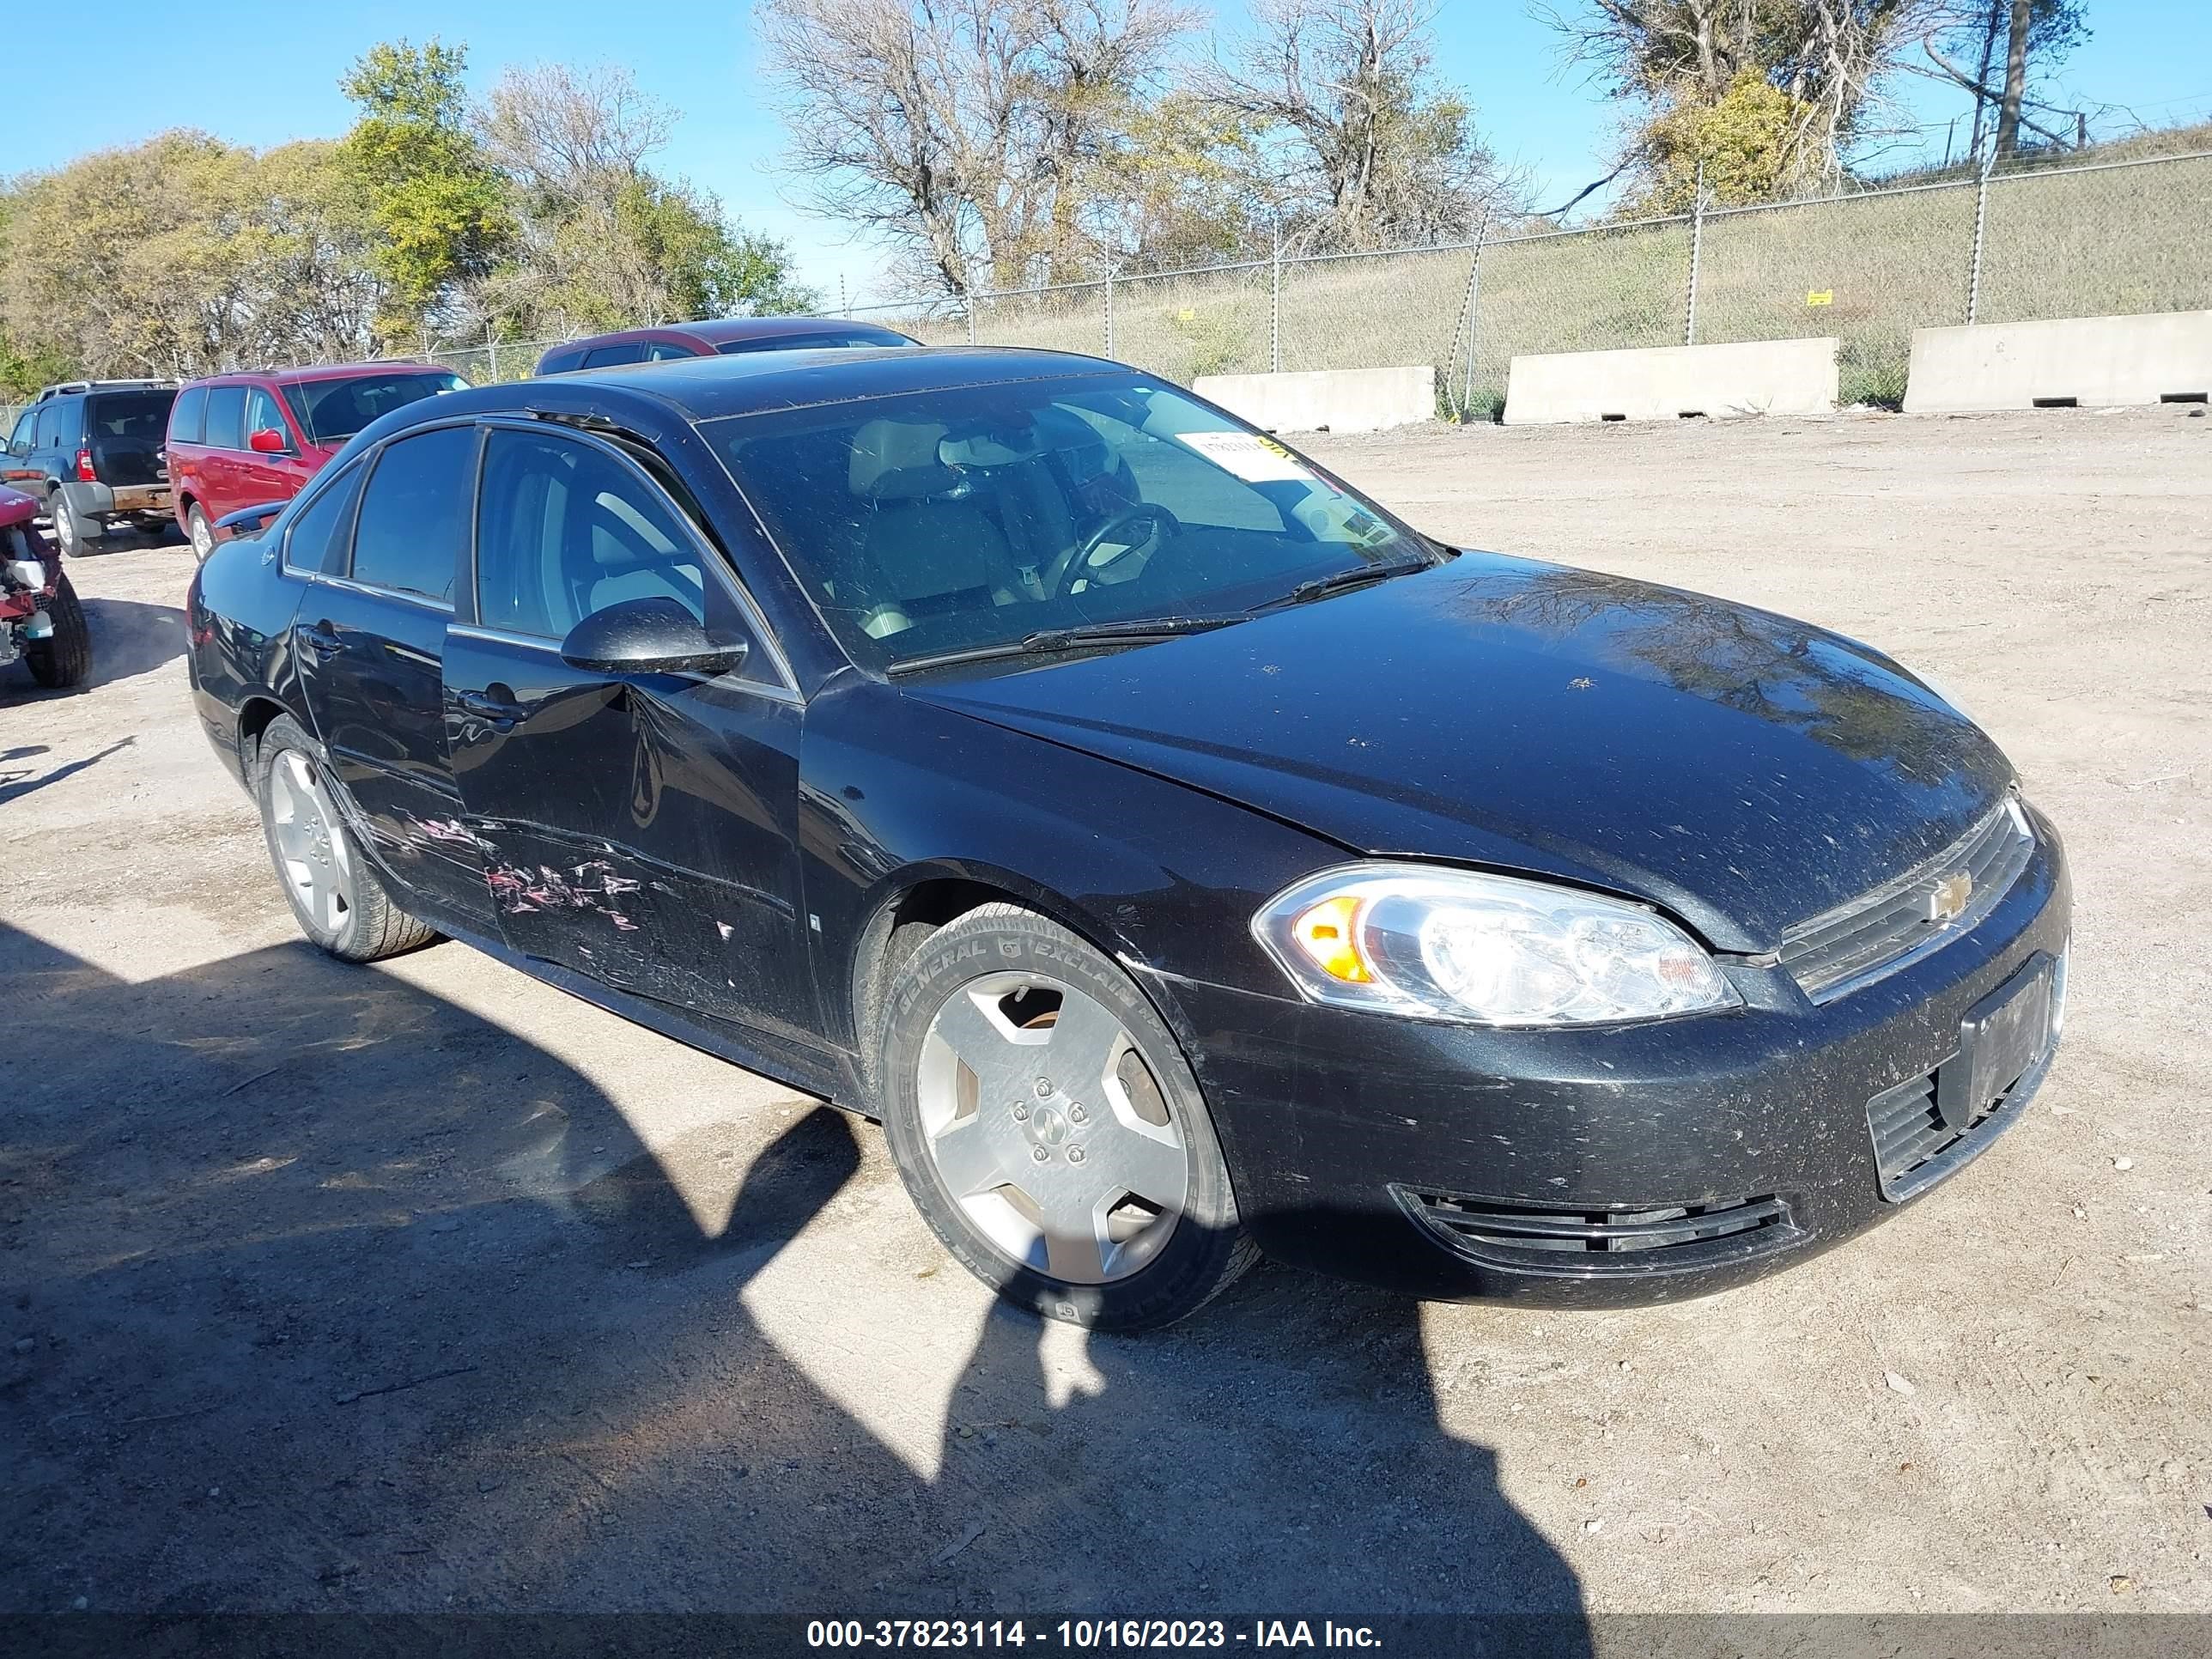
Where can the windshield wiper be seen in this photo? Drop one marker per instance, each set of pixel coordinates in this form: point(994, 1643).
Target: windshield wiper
point(1320, 587)
point(1136, 631)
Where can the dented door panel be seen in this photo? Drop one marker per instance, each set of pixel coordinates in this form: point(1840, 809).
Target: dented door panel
point(638, 830)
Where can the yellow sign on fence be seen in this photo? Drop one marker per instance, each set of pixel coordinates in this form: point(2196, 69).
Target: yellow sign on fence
point(1823, 296)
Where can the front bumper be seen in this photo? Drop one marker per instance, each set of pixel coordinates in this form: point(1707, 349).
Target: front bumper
point(1601, 1167)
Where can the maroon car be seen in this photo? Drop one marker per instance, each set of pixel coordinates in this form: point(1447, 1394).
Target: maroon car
point(41, 624)
point(244, 439)
point(720, 336)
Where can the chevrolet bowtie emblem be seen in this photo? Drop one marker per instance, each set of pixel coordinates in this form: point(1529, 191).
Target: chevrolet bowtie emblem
point(1948, 902)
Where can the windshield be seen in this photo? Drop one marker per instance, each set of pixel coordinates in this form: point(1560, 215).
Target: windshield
point(948, 521)
point(816, 340)
point(333, 410)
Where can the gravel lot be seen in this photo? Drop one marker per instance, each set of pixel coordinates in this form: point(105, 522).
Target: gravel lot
point(425, 1287)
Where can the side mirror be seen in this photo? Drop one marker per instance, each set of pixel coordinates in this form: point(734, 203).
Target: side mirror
point(247, 521)
point(646, 636)
point(268, 442)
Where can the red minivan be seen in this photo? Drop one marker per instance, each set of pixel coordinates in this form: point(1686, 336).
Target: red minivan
point(259, 436)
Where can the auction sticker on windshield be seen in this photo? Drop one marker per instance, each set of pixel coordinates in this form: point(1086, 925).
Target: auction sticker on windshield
point(1252, 458)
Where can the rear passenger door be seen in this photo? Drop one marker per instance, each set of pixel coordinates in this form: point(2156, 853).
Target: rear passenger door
point(370, 640)
point(223, 438)
point(639, 829)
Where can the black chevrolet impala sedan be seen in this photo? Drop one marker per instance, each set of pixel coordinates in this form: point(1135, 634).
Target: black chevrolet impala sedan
point(1183, 857)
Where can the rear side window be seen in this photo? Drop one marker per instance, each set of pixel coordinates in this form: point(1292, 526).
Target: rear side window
point(629, 351)
point(61, 425)
point(317, 539)
point(188, 419)
point(225, 417)
point(560, 362)
point(414, 522)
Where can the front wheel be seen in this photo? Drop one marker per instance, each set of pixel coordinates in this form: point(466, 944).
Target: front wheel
point(335, 894)
point(64, 658)
point(1046, 1124)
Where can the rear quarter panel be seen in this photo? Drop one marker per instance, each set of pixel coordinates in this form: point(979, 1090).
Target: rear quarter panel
point(239, 616)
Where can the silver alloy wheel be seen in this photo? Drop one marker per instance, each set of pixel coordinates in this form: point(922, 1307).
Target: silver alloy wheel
point(203, 536)
point(1046, 1124)
point(317, 867)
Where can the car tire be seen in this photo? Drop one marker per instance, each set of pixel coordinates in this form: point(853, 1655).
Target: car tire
point(998, 1134)
point(64, 657)
point(335, 895)
point(69, 534)
point(199, 533)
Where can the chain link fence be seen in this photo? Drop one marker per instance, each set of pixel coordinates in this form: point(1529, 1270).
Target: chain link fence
point(2044, 241)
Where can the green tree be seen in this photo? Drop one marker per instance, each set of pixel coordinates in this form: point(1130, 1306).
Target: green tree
point(1747, 147)
point(440, 209)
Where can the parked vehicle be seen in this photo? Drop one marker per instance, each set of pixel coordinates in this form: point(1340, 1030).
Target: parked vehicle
point(41, 624)
point(1176, 851)
point(238, 440)
point(90, 451)
point(725, 337)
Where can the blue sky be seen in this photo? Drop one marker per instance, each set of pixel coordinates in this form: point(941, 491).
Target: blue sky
point(267, 73)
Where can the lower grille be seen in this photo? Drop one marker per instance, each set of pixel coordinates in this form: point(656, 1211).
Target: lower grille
point(1600, 1241)
point(1914, 1148)
point(1881, 932)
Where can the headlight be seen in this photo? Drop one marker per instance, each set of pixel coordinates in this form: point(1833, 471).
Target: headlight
point(1486, 950)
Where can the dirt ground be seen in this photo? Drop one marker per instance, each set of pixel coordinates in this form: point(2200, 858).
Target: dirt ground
point(425, 1287)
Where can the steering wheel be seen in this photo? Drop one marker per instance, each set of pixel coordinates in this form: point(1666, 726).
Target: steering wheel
point(1078, 563)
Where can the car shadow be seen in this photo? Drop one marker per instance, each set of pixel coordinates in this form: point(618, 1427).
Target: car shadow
point(326, 1293)
point(129, 638)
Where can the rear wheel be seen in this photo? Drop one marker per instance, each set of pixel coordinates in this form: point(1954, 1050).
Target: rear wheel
point(64, 657)
point(335, 894)
point(1045, 1123)
point(199, 533)
point(70, 533)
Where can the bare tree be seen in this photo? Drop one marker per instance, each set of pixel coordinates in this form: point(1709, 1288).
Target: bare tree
point(1366, 147)
point(565, 133)
point(1961, 41)
point(964, 132)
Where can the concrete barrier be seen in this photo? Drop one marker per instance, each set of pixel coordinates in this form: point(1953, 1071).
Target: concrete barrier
point(1663, 383)
point(2093, 362)
point(1341, 399)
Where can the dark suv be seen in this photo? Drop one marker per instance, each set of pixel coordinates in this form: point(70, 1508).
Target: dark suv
point(722, 337)
point(90, 451)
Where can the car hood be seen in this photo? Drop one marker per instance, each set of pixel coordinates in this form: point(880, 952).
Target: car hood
point(1743, 770)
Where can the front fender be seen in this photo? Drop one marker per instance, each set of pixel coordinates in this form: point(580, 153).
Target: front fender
point(895, 792)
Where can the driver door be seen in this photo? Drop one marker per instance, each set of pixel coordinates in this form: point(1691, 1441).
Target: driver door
point(638, 829)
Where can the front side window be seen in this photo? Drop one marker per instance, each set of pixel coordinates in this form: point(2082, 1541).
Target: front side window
point(262, 416)
point(414, 522)
point(317, 539)
point(225, 417)
point(973, 517)
point(564, 529)
point(661, 351)
point(20, 443)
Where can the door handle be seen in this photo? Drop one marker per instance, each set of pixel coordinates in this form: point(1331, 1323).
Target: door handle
point(322, 639)
point(496, 712)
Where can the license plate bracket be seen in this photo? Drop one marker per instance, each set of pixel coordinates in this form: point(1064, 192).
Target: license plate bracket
point(1998, 1040)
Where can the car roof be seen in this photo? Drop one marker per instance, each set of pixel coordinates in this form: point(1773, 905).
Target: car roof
point(319, 372)
point(720, 331)
point(711, 388)
point(647, 397)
